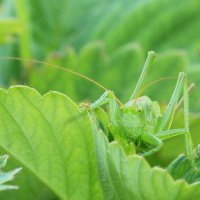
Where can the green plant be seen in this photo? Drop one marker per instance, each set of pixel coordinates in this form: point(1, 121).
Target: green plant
point(6, 176)
point(103, 40)
point(72, 157)
point(75, 159)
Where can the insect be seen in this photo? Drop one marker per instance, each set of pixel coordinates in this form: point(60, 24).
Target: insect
point(139, 122)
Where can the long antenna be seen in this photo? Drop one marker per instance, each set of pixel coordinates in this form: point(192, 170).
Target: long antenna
point(61, 68)
point(154, 82)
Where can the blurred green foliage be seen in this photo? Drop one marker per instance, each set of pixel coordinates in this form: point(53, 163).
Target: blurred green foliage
point(102, 38)
point(107, 41)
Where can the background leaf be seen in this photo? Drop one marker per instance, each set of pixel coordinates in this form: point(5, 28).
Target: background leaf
point(113, 26)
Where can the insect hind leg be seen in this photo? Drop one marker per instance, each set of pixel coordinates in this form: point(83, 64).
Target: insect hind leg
point(168, 115)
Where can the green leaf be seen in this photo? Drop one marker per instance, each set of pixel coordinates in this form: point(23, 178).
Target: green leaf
point(35, 130)
point(6, 176)
point(131, 177)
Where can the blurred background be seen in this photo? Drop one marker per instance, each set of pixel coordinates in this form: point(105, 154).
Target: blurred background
point(107, 41)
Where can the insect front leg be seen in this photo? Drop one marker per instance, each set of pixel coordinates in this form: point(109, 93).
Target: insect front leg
point(107, 97)
point(152, 140)
point(104, 99)
point(163, 131)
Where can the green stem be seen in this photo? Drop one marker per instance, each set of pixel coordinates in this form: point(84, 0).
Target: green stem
point(25, 46)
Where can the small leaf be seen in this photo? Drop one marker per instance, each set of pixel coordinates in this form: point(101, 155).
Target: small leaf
point(6, 176)
point(3, 161)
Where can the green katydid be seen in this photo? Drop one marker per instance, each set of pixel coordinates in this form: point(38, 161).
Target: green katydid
point(140, 122)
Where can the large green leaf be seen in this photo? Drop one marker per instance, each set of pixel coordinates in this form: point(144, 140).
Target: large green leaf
point(35, 130)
